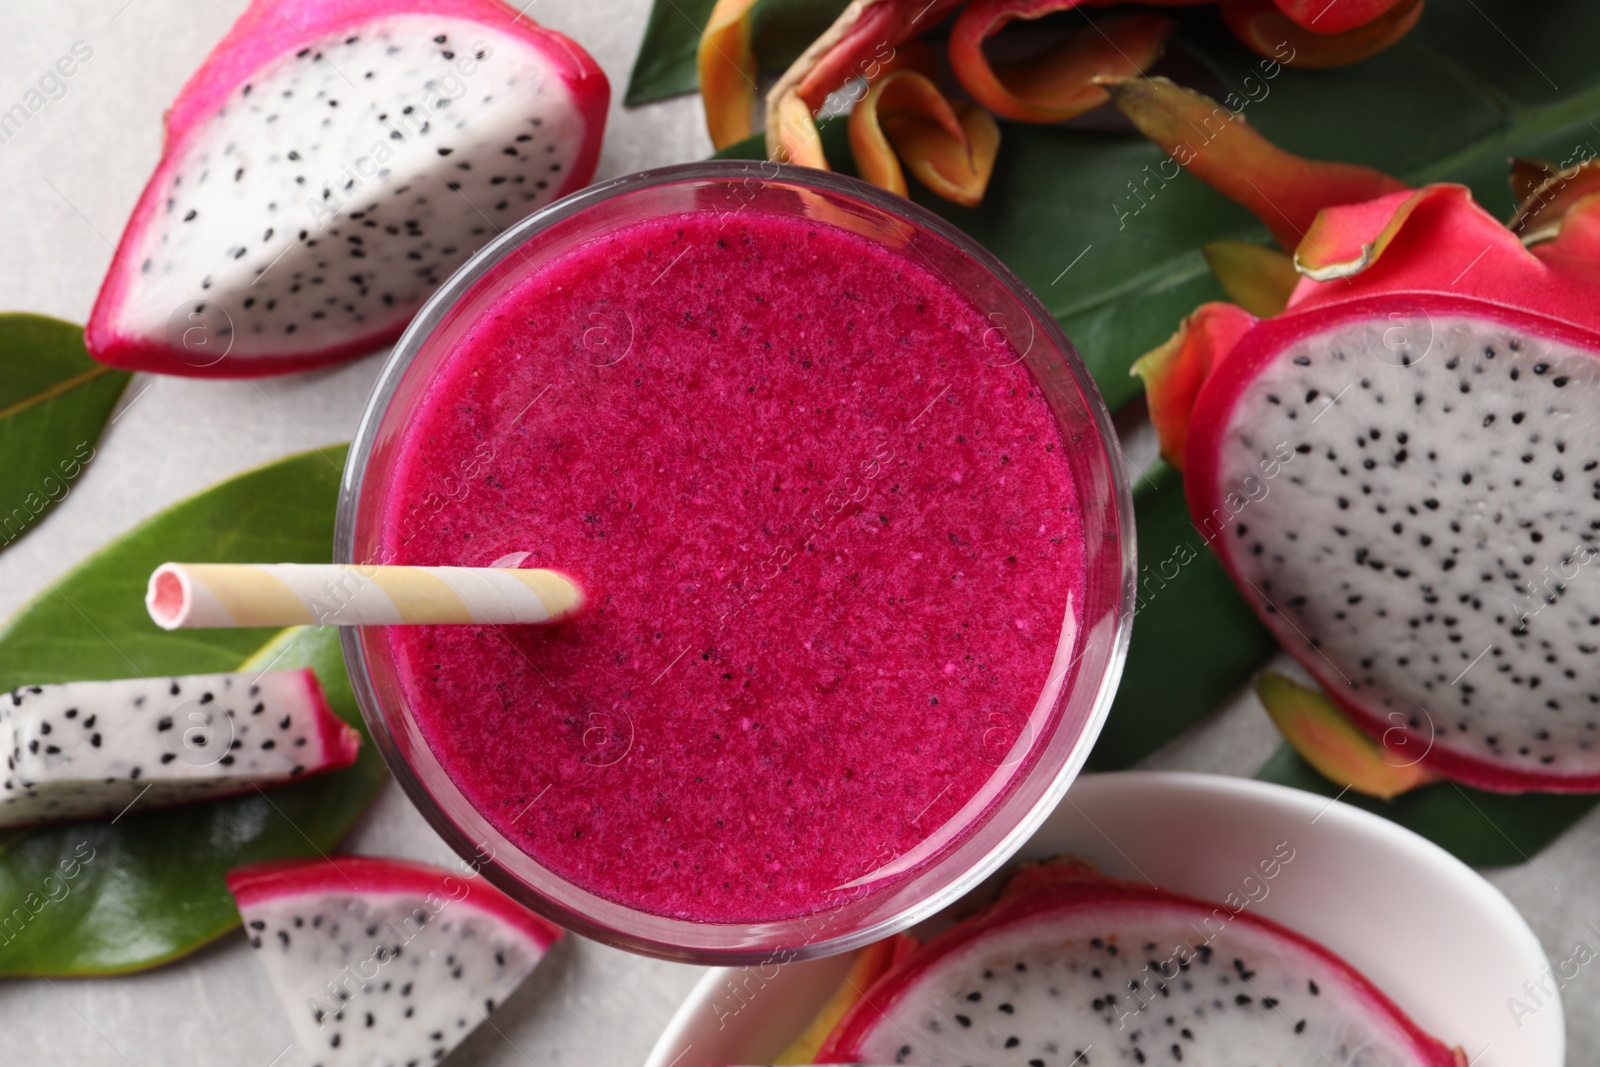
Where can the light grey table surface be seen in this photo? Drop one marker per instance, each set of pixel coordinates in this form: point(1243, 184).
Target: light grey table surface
point(69, 179)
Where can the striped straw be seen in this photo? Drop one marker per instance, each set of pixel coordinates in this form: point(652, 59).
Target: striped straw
point(210, 595)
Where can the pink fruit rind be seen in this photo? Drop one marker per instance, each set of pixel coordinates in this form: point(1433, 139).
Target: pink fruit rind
point(341, 742)
point(1448, 245)
point(1450, 258)
point(1061, 886)
point(1174, 373)
point(269, 29)
point(1320, 16)
point(260, 883)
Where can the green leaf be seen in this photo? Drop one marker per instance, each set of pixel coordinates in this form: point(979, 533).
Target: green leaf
point(779, 32)
point(781, 29)
point(665, 65)
point(151, 888)
point(54, 401)
point(1528, 55)
point(1195, 640)
point(1481, 829)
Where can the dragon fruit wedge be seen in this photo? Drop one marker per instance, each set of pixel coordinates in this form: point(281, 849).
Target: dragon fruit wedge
point(88, 750)
point(1069, 966)
point(1401, 470)
point(382, 962)
point(327, 167)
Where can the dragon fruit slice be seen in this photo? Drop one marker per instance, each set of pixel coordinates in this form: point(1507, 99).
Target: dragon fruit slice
point(87, 750)
point(1070, 966)
point(327, 167)
point(379, 961)
point(1402, 469)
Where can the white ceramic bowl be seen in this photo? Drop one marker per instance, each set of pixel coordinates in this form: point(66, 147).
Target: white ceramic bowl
point(1442, 942)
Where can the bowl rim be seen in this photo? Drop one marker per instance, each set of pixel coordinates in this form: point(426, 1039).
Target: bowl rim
point(1492, 905)
point(411, 343)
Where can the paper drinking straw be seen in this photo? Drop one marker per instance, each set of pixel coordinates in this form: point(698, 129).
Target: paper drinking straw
point(211, 595)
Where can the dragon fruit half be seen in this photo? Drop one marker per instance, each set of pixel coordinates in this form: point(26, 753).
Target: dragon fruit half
point(87, 750)
point(1072, 967)
point(1401, 470)
point(327, 167)
point(381, 961)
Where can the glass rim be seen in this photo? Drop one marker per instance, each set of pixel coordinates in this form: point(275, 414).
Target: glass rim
point(413, 342)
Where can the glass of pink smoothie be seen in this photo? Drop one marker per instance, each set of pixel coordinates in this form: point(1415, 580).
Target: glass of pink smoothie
point(857, 545)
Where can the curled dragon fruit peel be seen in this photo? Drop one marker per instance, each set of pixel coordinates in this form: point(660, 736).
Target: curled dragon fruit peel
point(1322, 735)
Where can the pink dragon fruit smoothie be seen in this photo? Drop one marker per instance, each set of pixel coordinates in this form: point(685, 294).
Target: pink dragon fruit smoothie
point(833, 550)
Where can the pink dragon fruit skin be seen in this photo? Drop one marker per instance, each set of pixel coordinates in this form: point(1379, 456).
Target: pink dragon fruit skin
point(178, 322)
point(1069, 965)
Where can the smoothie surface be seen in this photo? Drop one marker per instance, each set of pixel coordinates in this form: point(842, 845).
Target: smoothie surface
point(831, 543)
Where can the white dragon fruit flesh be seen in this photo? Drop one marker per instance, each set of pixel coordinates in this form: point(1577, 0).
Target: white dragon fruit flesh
point(88, 750)
point(1072, 968)
point(384, 962)
point(328, 167)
